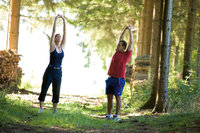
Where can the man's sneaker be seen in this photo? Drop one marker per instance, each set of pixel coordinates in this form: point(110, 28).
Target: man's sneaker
point(40, 110)
point(108, 117)
point(115, 118)
point(55, 111)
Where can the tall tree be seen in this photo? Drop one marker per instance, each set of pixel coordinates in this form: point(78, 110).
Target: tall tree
point(14, 24)
point(161, 100)
point(178, 30)
point(155, 52)
point(144, 42)
point(192, 7)
point(143, 28)
point(141, 32)
point(198, 58)
point(175, 63)
point(148, 27)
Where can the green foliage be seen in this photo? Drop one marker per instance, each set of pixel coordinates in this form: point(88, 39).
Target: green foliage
point(171, 122)
point(2, 96)
point(140, 95)
point(39, 13)
point(182, 96)
point(104, 20)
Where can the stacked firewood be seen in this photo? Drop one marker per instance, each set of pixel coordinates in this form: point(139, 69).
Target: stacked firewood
point(129, 68)
point(142, 68)
point(10, 72)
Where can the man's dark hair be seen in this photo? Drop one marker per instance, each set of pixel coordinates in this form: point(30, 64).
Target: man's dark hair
point(57, 35)
point(123, 43)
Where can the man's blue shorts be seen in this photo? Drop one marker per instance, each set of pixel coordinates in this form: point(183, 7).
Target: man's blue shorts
point(115, 86)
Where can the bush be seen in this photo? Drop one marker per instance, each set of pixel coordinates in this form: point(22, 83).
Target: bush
point(140, 94)
point(183, 96)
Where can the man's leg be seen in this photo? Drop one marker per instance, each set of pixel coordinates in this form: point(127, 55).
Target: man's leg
point(109, 103)
point(118, 104)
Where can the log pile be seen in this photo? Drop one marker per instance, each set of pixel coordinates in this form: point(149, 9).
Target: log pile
point(142, 68)
point(10, 72)
point(138, 71)
point(129, 69)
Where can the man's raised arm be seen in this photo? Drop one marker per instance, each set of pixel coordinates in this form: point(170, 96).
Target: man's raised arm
point(130, 46)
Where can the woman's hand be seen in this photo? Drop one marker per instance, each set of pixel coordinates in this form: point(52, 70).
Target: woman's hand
point(60, 16)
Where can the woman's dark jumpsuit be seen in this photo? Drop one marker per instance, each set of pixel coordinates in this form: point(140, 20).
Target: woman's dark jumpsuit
point(53, 74)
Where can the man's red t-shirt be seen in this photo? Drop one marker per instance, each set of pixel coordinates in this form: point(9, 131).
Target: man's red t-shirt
point(118, 64)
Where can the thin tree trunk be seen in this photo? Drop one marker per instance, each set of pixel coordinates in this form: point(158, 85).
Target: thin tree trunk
point(176, 58)
point(189, 38)
point(155, 52)
point(144, 25)
point(140, 32)
point(198, 59)
point(148, 27)
point(161, 100)
point(14, 25)
point(8, 26)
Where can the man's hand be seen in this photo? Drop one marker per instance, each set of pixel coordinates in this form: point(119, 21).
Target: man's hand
point(130, 27)
point(127, 27)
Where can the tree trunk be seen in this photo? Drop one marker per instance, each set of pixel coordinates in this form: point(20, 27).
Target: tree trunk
point(140, 71)
point(175, 65)
point(8, 26)
point(14, 24)
point(161, 100)
point(189, 38)
point(144, 25)
point(148, 27)
point(155, 52)
point(198, 59)
point(140, 34)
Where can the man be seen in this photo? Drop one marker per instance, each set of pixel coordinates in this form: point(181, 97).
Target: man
point(115, 82)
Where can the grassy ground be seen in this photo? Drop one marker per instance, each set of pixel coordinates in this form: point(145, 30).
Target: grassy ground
point(18, 114)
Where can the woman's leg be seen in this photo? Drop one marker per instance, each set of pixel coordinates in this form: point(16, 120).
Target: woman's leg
point(45, 85)
point(56, 90)
point(55, 107)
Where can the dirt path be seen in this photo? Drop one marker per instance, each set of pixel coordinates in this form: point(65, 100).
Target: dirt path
point(32, 96)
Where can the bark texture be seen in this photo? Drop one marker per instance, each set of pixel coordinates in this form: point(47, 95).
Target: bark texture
point(14, 25)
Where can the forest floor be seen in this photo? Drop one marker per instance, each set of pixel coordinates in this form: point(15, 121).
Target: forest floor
point(139, 126)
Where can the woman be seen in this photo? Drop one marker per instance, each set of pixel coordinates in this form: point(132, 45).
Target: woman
point(53, 73)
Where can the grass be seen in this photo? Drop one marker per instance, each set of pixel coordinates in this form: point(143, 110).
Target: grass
point(173, 121)
point(73, 116)
point(183, 100)
point(78, 117)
